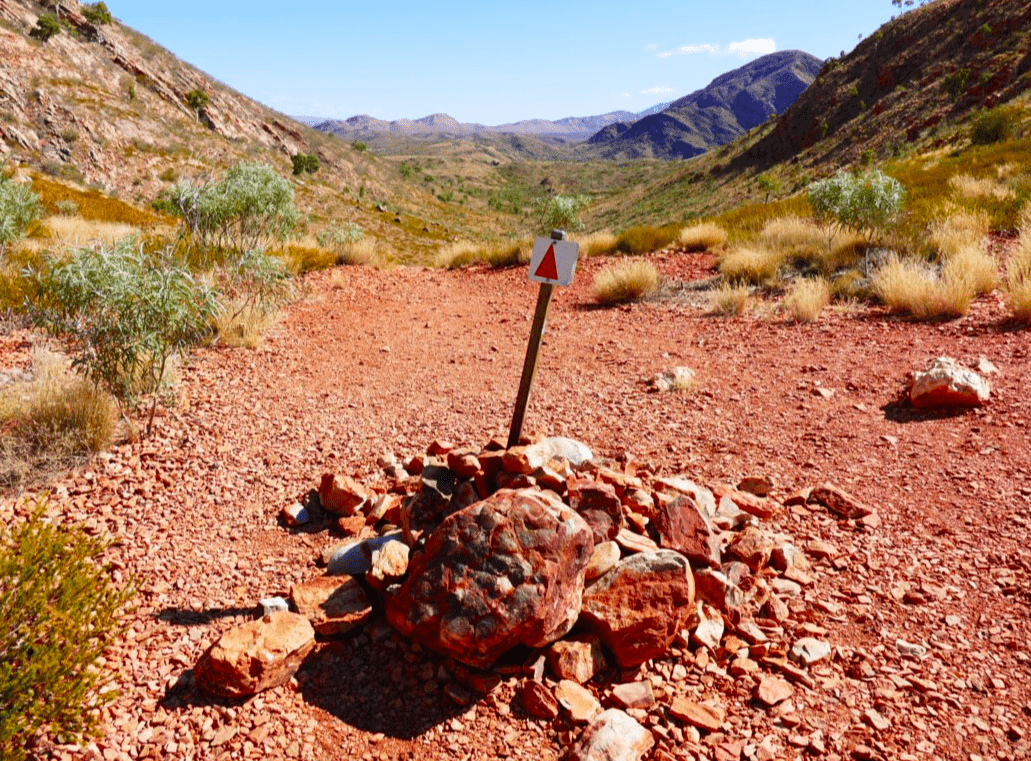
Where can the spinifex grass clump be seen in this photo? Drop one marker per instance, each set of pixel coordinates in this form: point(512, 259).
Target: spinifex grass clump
point(59, 612)
point(646, 239)
point(702, 237)
point(626, 281)
point(125, 315)
point(806, 298)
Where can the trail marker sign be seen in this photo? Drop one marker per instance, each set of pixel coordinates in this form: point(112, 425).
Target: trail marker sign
point(553, 261)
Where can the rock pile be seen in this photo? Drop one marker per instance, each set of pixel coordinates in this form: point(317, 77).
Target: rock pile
point(571, 570)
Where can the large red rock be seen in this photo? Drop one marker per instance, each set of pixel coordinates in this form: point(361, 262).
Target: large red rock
point(640, 605)
point(342, 495)
point(503, 572)
point(682, 525)
point(597, 504)
point(256, 656)
point(333, 604)
point(947, 383)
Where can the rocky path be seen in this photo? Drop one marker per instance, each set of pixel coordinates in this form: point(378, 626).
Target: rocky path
point(928, 613)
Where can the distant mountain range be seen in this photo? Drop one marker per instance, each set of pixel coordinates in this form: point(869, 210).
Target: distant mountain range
point(728, 107)
point(572, 128)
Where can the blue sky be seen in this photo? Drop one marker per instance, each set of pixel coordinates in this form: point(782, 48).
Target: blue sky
point(488, 62)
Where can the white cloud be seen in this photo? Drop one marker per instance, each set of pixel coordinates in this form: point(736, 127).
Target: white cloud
point(657, 91)
point(752, 47)
point(651, 46)
point(744, 48)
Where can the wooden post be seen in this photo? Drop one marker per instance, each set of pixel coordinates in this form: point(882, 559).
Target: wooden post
point(530, 363)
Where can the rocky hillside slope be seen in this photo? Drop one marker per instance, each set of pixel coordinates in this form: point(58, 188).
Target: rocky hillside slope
point(921, 72)
point(728, 107)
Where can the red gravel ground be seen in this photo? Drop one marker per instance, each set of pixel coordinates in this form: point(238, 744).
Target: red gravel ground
point(395, 359)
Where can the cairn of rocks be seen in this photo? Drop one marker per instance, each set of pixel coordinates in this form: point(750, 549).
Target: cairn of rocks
point(582, 566)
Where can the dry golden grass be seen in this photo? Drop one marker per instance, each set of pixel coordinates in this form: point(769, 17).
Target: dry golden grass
point(624, 282)
point(755, 265)
point(242, 327)
point(362, 253)
point(702, 237)
point(974, 265)
point(791, 234)
point(806, 298)
point(458, 254)
point(76, 231)
point(511, 254)
point(958, 230)
point(970, 187)
point(730, 299)
point(601, 243)
point(1018, 280)
point(50, 422)
point(913, 288)
point(1024, 220)
point(338, 281)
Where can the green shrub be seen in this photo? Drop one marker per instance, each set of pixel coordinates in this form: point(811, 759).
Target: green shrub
point(248, 208)
point(956, 83)
point(19, 207)
point(125, 315)
point(561, 212)
point(197, 99)
point(59, 612)
point(97, 13)
point(46, 27)
point(305, 162)
point(866, 203)
point(358, 145)
point(992, 127)
point(645, 239)
point(768, 184)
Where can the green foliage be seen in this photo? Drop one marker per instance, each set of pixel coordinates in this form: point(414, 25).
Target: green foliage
point(561, 212)
point(358, 145)
point(646, 239)
point(19, 207)
point(305, 162)
point(339, 236)
point(865, 203)
point(248, 208)
point(955, 84)
point(125, 315)
point(59, 612)
point(407, 170)
point(768, 185)
point(97, 13)
point(853, 91)
point(197, 99)
point(252, 282)
point(46, 27)
point(992, 127)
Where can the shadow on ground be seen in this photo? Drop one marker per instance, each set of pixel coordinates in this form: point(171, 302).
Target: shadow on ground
point(901, 411)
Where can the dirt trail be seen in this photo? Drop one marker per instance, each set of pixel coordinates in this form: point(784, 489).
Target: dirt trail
point(393, 360)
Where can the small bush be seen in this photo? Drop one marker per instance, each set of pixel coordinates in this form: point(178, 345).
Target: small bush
point(67, 208)
point(806, 298)
point(867, 204)
point(730, 299)
point(19, 207)
point(305, 162)
point(702, 237)
point(751, 265)
point(561, 212)
point(596, 244)
point(359, 146)
point(992, 127)
point(646, 239)
point(46, 27)
point(625, 282)
point(59, 613)
point(198, 99)
point(912, 288)
point(126, 315)
point(97, 13)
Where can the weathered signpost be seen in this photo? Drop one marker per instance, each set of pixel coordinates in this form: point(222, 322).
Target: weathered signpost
point(553, 263)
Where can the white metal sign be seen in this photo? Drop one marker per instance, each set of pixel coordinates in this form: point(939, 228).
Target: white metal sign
point(553, 261)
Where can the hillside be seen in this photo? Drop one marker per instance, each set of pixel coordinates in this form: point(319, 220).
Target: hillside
point(729, 106)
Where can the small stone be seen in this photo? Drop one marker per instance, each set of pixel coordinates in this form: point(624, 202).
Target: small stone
point(630, 542)
point(839, 502)
point(578, 701)
point(578, 660)
point(709, 630)
point(810, 650)
point(704, 716)
point(333, 604)
point(772, 690)
point(786, 556)
point(760, 486)
point(603, 560)
point(270, 605)
point(341, 495)
point(946, 383)
point(612, 736)
point(537, 700)
point(911, 649)
point(674, 379)
point(295, 515)
point(875, 720)
point(820, 549)
point(634, 695)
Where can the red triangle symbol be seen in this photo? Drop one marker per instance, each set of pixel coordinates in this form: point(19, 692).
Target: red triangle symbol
point(548, 268)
